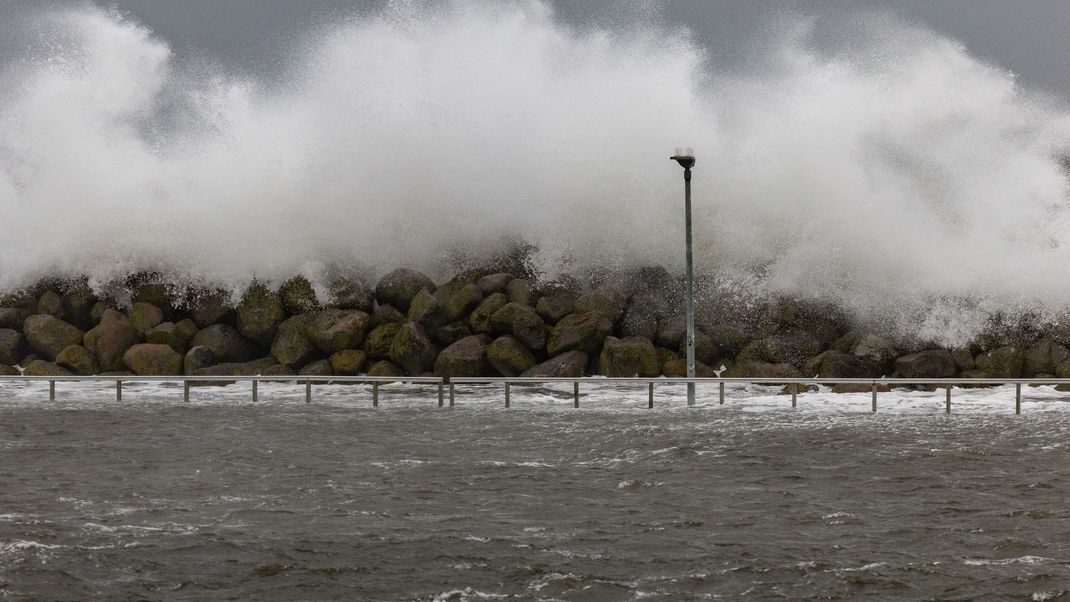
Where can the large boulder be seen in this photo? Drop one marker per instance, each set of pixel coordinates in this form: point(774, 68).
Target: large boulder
point(931, 363)
point(556, 305)
point(874, 348)
point(160, 294)
point(78, 302)
point(48, 335)
point(609, 299)
point(258, 367)
point(520, 290)
point(226, 343)
point(351, 292)
point(451, 333)
point(385, 368)
point(197, 358)
point(337, 329)
point(259, 314)
point(677, 368)
point(399, 287)
point(377, 345)
point(386, 314)
point(466, 357)
point(1043, 356)
point(298, 296)
point(757, 369)
point(1002, 362)
point(672, 331)
point(210, 306)
point(348, 362)
point(149, 359)
point(412, 349)
point(570, 364)
point(792, 346)
point(509, 356)
point(10, 346)
point(13, 317)
point(629, 356)
point(522, 322)
point(178, 336)
point(6, 370)
point(579, 332)
point(479, 320)
point(292, 346)
point(494, 283)
point(317, 368)
point(52, 304)
point(143, 316)
point(426, 309)
point(837, 364)
point(43, 368)
point(463, 302)
point(640, 318)
point(110, 339)
point(78, 360)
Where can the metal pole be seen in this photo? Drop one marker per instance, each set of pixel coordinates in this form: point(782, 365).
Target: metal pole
point(256, 396)
point(52, 390)
point(185, 391)
point(451, 394)
point(506, 394)
point(874, 409)
point(1018, 398)
point(947, 402)
point(308, 390)
point(794, 394)
point(375, 395)
point(118, 390)
point(690, 291)
point(722, 392)
point(650, 395)
point(440, 393)
point(576, 394)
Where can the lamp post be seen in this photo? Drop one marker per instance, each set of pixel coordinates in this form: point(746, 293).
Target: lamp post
point(687, 161)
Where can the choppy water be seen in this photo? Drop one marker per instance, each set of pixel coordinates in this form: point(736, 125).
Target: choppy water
point(154, 499)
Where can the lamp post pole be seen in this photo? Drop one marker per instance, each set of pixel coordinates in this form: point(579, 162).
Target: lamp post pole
point(687, 161)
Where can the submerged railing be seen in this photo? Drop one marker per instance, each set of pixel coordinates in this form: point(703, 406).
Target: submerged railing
point(874, 385)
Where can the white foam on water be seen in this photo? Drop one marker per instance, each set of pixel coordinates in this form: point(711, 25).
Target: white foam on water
point(897, 175)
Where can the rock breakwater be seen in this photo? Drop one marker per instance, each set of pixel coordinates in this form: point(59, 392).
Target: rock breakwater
point(479, 323)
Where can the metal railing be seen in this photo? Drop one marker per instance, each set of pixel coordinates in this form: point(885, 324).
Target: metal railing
point(443, 384)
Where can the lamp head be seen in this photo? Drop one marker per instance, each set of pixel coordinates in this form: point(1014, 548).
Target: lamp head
point(686, 159)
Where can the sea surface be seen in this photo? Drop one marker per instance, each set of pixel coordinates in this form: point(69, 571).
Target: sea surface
point(155, 499)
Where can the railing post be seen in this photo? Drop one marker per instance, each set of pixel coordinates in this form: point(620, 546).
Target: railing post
point(185, 391)
point(874, 407)
point(506, 394)
point(794, 394)
point(451, 394)
point(576, 394)
point(375, 395)
point(118, 390)
point(256, 395)
point(650, 395)
point(947, 402)
point(1018, 399)
point(722, 392)
point(441, 393)
point(52, 390)
point(308, 390)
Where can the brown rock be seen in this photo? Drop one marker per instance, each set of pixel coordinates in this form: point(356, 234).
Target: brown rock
point(148, 359)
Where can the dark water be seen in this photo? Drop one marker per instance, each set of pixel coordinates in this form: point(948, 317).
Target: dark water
point(174, 502)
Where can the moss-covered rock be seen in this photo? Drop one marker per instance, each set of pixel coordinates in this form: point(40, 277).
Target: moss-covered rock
point(259, 367)
point(494, 283)
point(556, 305)
point(292, 346)
point(677, 368)
point(160, 294)
point(333, 330)
point(509, 356)
point(148, 359)
point(48, 335)
point(13, 317)
point(43, 368)
point(479, 320)
point(1002, 362)
point(931, 363)
point(78, 302)
point(836, 364)
point(379, 340)
point(466, 357)
point(110, 339)
point(463, 302)
point(610, 299)
point(579, 332)
point(144, 316)
point(753, 369)
point(629, 356)
point(791, 346)
point(197, 358)
point(386, 314)
point(399, 287)
point(10, 346)
point(1043, 356)
point(210, 306)
point(426, 309)
point(227, 344)
point(348, 362)
point(522, 322)
point(570, 364)
point(260, 313)
point(385, 368)
point(317, 368)
point(412, 349)
point(51, 303)
point(451, 333)
point(6, 370)
point(178, 336)
point(78, 360)
point(520, 290)
point(298, 296)
point(351, 292)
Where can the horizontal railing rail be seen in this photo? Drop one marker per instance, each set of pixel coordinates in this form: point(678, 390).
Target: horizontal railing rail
point(441, 382)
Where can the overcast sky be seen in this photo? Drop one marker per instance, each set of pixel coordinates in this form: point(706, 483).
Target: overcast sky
point(1029, 37)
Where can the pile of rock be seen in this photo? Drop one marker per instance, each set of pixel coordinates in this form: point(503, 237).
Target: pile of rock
point(475, 324)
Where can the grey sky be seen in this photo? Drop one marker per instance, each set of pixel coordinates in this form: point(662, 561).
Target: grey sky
point(1028, 37)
